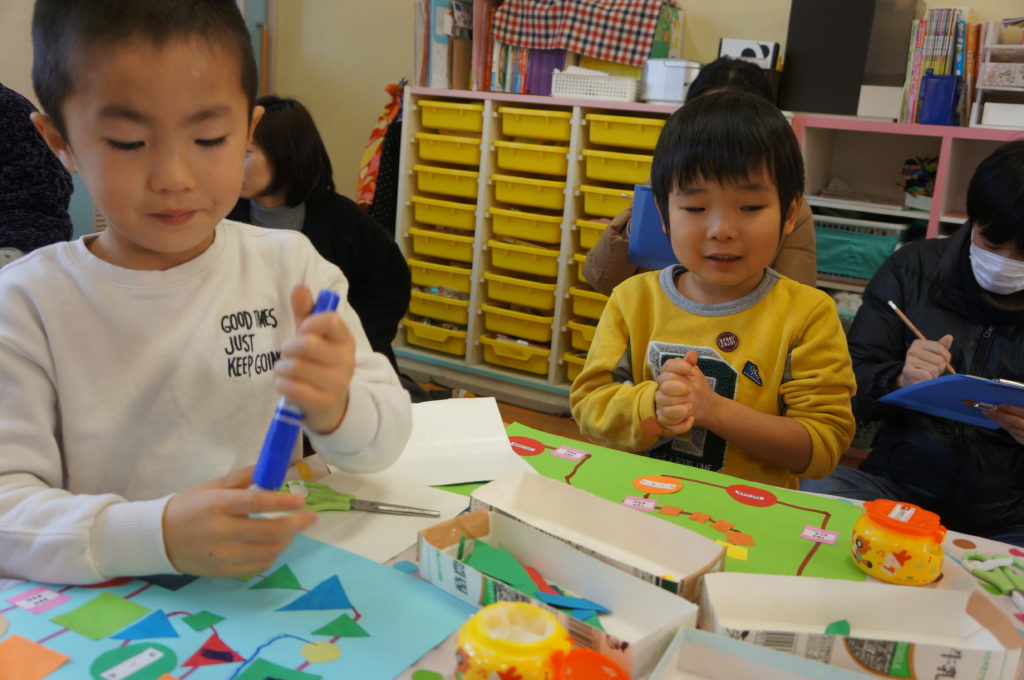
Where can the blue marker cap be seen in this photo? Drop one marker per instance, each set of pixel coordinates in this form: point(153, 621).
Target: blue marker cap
point(279, 443)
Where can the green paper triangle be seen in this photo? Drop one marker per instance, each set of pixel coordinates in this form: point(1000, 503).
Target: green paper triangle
point(840, 627)
point(282, 578)
point(343, 626)
point(498, 563)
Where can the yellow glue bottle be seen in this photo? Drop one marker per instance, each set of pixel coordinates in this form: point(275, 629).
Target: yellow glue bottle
point(514, 639)
point(898, 542)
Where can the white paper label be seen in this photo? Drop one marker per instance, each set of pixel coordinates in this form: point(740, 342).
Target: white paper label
point(819, 535)
point(645, 504)
point(132, 665)
point(569, 453)
point(902, 513)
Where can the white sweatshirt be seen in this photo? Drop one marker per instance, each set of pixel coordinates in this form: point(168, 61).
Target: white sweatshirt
point(120, 387)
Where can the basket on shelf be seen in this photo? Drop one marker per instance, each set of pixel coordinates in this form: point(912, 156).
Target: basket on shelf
point(589, 86)
point(852, 247)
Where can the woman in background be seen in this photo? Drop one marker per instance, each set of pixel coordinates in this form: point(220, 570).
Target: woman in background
point(289, 184)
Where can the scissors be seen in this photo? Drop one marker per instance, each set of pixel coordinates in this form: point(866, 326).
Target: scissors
point(1002, 572)
point(321, 497)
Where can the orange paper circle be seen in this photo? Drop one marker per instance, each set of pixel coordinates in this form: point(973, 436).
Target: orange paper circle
point(657, 484)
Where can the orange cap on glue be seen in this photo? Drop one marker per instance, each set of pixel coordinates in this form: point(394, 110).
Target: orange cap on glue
point(905, 518)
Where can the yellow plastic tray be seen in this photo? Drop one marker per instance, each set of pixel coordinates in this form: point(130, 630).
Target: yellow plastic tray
point(441, 244)
point(539, 158)
point(434, 337)
point(520, 291)
point(587, 303)
point(440, 213)
point(590, 232)
point(448, 148)
point(613, 166)
point(523, 258)
point(536, 123)
point(426, 273)
point(581, 334)
point(508, 321)
point(530, 226)
point(435, 180)
point(624, 131)
point(580, 259)
point(536, 193)
point(442, 115)
point(605, 202)
point(573, 365)
point(438, 307)
point(520, 357)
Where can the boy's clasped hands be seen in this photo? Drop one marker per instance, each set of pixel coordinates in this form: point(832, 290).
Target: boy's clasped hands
point(683, 398)
point(209, 529)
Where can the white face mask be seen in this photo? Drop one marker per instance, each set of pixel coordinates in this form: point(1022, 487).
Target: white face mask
point(996, 273)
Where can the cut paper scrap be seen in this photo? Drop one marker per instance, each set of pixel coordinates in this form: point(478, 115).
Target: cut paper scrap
point(320, 651)
point(202, 620)
point(700, 517)
point(26, 660)
point(499, 564)
point(169, 581)
point(582, 614)
point(736, 552)
point(567, 602)
point(104, 615)
point(343, 626)
point(140, 661)
point(406, 567)
point(670, 510)
point(840, 627)
point(538, 580)
point(154, 625)
point(38, 600)
point(722, 525)
point(328, 594)
point(739, 538)
point(261, 669)
point(281, 578)
point(213, 652)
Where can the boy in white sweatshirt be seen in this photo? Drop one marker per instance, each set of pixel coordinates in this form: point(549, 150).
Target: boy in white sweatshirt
point(140, 363)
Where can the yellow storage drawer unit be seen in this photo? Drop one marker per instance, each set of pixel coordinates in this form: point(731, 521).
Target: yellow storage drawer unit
point(573, 365)
point(590, 232)
point(441, 115)
point(624, 131)
point(512, 355)
point(452, 310)
point(518, 291)
point(427, 273)
point(523, 258)
point(435, 180)
point(442, 244)
point(536, 193)
point(521, 325)
point(438, 213)
point(581, 334)
point(612, 166)
point(539, 158)
point(448, 149)
point(587, 303)
point(530, 226)
point(605, 202)
point(580, 259)
point(434, 337)
point(544, 124)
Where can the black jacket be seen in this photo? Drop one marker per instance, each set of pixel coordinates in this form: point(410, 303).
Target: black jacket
point(972, 477)
point(378, 277)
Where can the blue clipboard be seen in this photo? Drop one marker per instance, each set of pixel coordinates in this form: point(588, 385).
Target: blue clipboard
point(958, 397)
point(649, 247)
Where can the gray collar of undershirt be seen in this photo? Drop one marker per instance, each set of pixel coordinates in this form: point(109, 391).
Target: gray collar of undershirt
point(667, 278)
point(281, 217)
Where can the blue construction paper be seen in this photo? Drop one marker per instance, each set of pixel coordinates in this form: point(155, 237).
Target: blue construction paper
point(403, 617)
point(567, 602)
point(582, 614)
point(153, 625)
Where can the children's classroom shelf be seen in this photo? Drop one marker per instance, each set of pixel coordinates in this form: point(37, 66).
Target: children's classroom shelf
point(556, 187)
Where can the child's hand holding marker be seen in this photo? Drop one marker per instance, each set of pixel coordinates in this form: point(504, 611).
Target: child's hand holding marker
point(683, 395)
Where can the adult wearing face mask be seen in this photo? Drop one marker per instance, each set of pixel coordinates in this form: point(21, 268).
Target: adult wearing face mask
point(967, 292)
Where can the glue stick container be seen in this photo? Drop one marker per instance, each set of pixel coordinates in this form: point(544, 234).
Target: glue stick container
point(898, 542)
point(509, 639)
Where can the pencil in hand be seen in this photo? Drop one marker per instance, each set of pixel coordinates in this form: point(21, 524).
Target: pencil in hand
point(913, 328)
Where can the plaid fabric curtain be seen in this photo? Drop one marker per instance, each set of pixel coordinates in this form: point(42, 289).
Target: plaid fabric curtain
point(614, 30)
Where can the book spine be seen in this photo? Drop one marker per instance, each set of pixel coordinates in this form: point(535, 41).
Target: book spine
point(915, 26)
point(916, 71)
point(959, 56)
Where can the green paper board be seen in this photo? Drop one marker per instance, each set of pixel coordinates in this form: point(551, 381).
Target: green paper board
point(103, 615)
point(773, 518)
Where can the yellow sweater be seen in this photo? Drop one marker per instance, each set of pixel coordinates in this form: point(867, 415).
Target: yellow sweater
point(780, 350)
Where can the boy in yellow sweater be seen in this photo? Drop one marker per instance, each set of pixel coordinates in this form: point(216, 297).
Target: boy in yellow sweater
point(720, 362)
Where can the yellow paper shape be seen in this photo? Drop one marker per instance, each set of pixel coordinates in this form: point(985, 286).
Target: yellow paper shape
point(736, 552)
point(320, 651)
point(26, 660)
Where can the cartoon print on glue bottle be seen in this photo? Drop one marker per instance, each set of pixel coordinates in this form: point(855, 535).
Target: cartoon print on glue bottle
point(898, 543)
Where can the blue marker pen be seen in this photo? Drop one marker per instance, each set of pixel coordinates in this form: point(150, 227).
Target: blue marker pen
point(276, 453)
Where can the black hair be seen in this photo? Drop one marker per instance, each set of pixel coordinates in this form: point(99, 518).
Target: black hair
point(727, 137)
point(299, 163)
point(734, 75)
point(66, 31)
point(995, 196)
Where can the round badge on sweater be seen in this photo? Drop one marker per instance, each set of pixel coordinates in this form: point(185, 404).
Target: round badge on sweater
point(728, 341)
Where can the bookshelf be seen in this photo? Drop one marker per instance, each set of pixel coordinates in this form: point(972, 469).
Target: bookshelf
point(1010, 56)
point(867, 154)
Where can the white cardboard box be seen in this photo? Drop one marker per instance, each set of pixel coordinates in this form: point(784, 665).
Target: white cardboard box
point(647, 547)
point(643, 617)
point(700, 655)
point(927, 632)
point(1005, 115)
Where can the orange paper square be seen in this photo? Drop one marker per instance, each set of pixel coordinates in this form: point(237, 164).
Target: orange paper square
point(27, 660)
point(722, 525)
point(739, 538)
point(699, 517)
point(669, 510)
